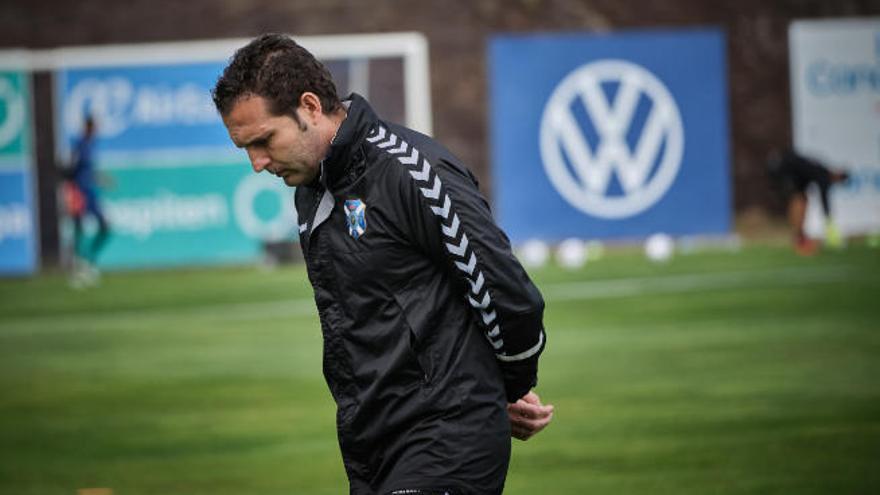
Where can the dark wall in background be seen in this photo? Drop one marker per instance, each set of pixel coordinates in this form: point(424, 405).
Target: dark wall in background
point(457, 31)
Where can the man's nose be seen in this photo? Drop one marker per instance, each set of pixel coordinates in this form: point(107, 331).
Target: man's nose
point(259, 160)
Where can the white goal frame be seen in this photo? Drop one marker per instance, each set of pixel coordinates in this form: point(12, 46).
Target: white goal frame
point(412, 47)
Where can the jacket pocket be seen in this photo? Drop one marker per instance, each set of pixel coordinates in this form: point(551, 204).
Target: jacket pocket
point(418, 348)
point(421, 357)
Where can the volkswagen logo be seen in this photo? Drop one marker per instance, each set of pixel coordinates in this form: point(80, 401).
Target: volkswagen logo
point(587, 139)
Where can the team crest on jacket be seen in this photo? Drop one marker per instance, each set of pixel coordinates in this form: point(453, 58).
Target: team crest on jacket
point(355, 211)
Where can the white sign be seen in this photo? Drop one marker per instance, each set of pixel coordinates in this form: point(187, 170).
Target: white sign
point(593, 165)
point(835, 87)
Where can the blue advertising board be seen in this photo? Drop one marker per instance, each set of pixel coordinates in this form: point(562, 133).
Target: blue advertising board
point(17, 233)
point(610, 135)
point(173, 188)
point(18, 245)
point(143, 107)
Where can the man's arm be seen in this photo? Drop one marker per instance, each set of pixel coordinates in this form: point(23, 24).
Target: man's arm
point(452, 221)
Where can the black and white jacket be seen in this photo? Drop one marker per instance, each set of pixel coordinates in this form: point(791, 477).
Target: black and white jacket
point(430, 324)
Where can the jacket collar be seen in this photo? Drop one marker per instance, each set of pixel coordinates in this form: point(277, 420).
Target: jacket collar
point(346, 144)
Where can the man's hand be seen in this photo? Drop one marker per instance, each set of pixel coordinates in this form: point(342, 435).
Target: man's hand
point(528, 416)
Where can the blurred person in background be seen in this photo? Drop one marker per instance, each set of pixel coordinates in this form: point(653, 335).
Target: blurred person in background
point(793, 173)
point(81, 200)
point(432, 330)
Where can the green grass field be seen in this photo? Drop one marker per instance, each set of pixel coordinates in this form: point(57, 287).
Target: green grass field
point(718, 373)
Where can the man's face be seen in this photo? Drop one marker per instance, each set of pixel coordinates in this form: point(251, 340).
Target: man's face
point(286, 148)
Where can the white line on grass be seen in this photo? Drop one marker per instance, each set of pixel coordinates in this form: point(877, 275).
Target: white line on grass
point(639, 286)
point(566, 291)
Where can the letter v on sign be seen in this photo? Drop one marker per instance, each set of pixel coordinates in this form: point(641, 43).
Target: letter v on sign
point(587, 189)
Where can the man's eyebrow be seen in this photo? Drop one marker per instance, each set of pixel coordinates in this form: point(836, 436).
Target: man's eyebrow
point(261, 137)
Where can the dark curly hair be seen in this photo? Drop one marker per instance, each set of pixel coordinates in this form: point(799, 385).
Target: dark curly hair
point(274, 67)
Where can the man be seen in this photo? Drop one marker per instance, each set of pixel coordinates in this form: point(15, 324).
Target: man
point(81, 197)
point(793, 174)
point(432, 330)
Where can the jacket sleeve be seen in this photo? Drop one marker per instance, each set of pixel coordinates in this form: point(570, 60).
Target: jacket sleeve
point(452, 222)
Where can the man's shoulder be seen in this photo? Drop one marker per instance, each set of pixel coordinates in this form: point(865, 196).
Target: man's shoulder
point(438, 155)
point(415, 157)
point(424, 143)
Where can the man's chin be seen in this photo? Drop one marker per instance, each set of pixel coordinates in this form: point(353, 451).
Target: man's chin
point(298, 179)
point(290, 180)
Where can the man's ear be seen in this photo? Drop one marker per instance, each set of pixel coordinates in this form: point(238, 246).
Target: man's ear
point(310, 104)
